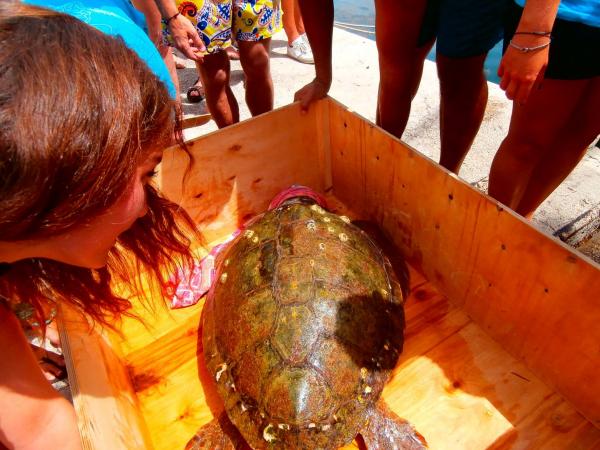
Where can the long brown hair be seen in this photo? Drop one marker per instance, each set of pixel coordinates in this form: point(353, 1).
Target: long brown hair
point(79, 112)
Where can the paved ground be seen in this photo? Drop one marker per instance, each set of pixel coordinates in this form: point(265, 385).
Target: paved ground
point(356, 78)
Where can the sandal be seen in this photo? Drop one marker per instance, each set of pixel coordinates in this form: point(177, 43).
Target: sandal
point(195, 94)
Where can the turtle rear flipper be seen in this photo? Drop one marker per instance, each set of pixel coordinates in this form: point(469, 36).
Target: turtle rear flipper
point(218, 434)
point(386, 431)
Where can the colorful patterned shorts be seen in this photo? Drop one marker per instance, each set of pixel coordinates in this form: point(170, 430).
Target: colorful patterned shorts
point(216, 20)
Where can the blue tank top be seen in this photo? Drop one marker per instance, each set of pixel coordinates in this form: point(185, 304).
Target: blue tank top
point(116, 18)
point(582, 11)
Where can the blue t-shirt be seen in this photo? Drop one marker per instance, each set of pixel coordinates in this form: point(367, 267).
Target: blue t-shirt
point(116, 18)
point(582, 11)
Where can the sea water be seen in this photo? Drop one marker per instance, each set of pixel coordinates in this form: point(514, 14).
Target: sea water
point(362, 12)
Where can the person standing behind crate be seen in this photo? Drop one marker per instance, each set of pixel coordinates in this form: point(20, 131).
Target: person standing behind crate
point(153, 24)
point(298, 47)
point(551, 71)
point(78, 150)
point(116, 18)
point(252, 23)
point(465, 31)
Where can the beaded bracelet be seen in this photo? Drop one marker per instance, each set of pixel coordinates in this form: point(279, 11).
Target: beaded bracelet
point(166, 21)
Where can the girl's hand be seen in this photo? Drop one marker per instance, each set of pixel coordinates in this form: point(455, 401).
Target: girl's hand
point(186, 38)
point(520, 71)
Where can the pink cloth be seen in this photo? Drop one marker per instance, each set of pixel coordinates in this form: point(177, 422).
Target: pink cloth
point(186, 287)
point(297, 191)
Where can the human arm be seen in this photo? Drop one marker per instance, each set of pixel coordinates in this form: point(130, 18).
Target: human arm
point(32, 414)
point(153, 19)
point(184, 34)
point(520, 70)
point(318, 22)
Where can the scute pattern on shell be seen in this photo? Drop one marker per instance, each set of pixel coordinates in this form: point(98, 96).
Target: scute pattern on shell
point(308, 325)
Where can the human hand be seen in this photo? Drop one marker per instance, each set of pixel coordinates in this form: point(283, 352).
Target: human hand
point(519, 71)
point(186, 38)
point(313, 91)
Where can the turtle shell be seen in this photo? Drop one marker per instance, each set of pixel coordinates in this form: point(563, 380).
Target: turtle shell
point(302, 328)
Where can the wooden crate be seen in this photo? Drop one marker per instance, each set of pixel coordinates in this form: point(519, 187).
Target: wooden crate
point(503, 323)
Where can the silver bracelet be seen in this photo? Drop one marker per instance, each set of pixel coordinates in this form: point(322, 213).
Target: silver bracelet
point(528, 49)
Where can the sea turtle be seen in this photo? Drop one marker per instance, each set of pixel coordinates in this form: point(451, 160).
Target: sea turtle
point(300, 333)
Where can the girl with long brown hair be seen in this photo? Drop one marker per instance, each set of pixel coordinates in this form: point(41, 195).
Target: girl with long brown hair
point(82, 125)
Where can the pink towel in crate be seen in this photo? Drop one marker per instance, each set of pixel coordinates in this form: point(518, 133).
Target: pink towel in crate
point(188, 287)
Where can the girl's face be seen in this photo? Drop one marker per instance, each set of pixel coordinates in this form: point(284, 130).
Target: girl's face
point(88, 245)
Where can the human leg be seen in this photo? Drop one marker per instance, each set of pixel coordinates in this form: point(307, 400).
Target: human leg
point(464, 94)
point(298, 47)
point(569, 147)
point(153, 22)
point(533, 129)
point(221, 102)
point(400, 60)
point(289, 20)
point(254, 56)
point(298, 18)
point(467, 30)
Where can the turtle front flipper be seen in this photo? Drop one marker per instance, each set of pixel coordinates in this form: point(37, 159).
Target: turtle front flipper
point(218, 434)
point(384, 430)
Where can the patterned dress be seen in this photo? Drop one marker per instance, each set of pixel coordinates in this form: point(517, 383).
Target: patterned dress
point(217, 21)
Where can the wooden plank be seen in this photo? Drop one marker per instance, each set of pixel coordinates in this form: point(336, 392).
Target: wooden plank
point(239, 171)
point(323, 143)
point(150, 326)
point(468, 393)
point(533, 294)
point(165, 377)
point(106, 405)
point(555, 425)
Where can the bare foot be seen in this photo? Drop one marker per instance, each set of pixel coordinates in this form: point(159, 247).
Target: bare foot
point(179, 61)
point(232, 53)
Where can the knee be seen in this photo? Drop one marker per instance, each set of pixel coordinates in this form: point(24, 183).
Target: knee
point(257, 66)
point(522, 148)
point(393, 57)
point(219, 78)
point(461, 74)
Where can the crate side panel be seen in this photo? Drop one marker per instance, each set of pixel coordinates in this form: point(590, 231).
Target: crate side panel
point(107, 407)
point(238, 171)
point(538, 298)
